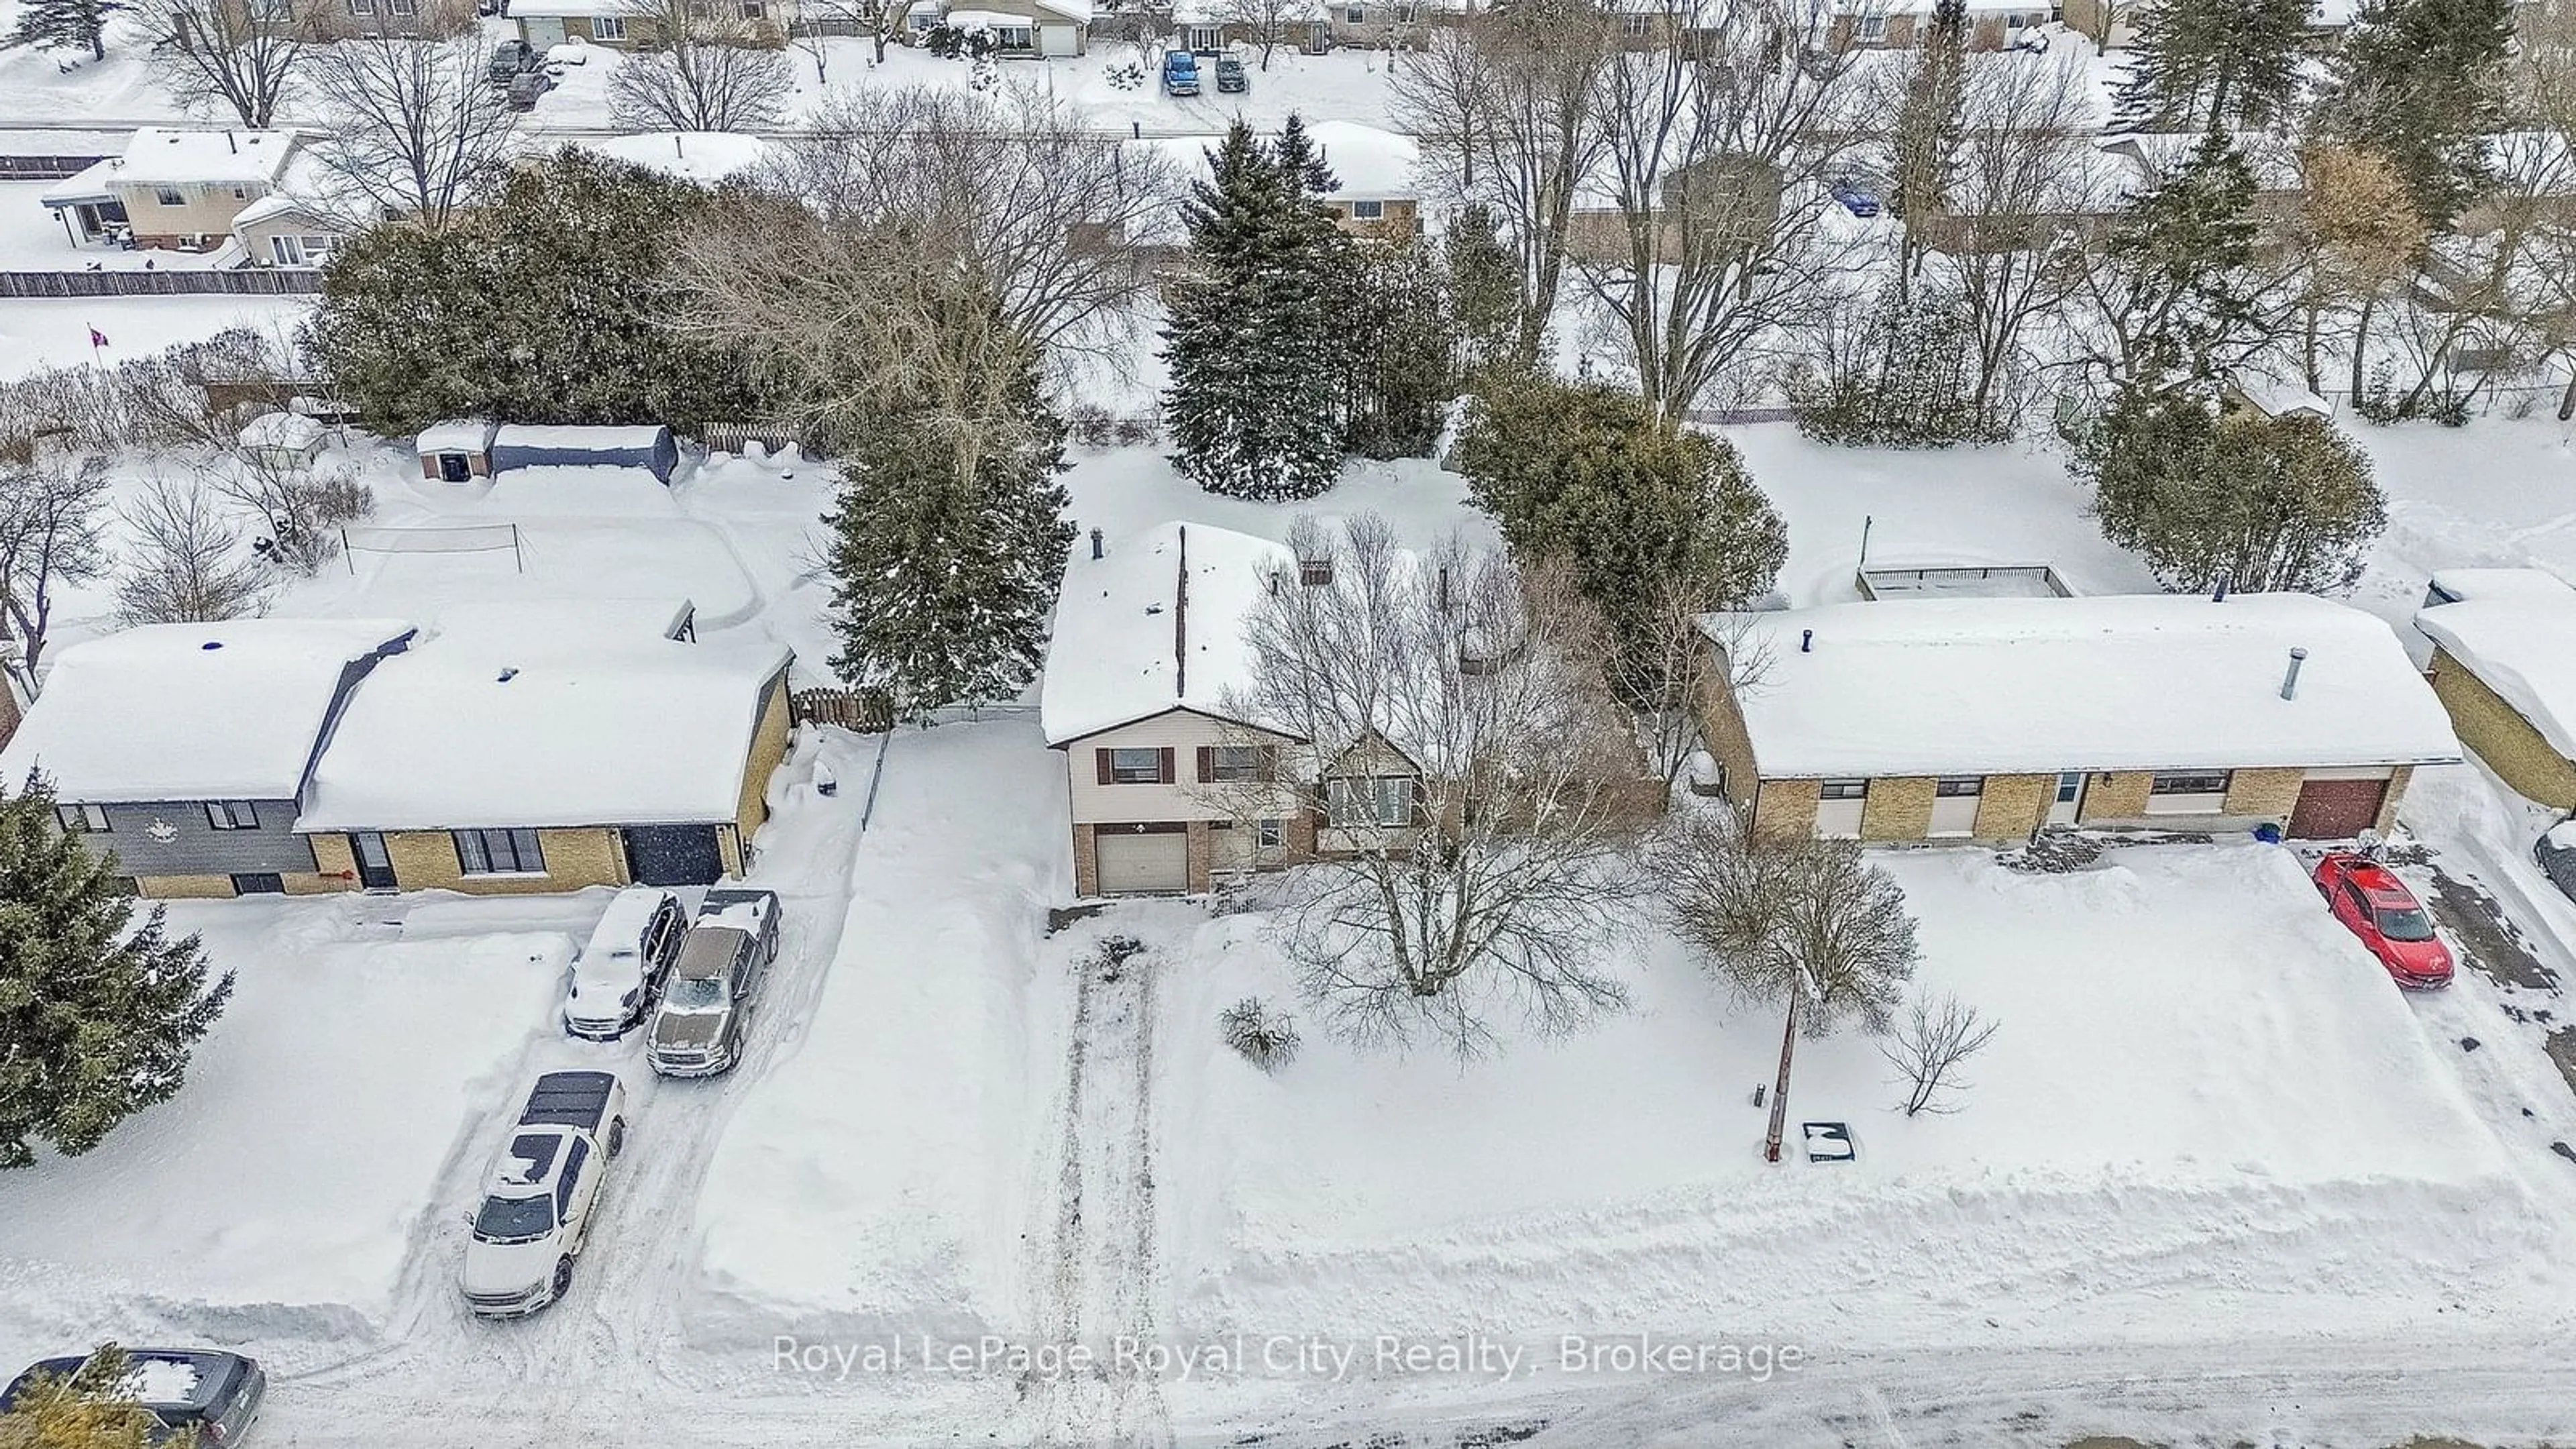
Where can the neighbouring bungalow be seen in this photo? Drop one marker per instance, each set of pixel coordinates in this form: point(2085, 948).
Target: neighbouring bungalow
point(1208, 27)
point(1989, 719)
point(628, 25)
point(706, 157)
point(649, 448)
point(1379, 194)
point(541, 748)
point(458, 450)
point(1899, 24)
point(284, 440)
point(2115, 23)
point(174, 188)
point(1147, 654)
point(186, 748)
point(1028, 29)
point(2504, 665)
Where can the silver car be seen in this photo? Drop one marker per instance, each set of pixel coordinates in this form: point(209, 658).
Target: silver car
point(699, 1028)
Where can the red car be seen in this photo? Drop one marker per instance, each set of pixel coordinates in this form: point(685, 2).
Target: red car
point(2369, 898)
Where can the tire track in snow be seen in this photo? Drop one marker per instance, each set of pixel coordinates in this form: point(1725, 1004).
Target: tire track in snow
point(1100, 1277)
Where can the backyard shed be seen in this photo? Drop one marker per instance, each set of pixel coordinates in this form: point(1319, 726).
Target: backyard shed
point(458, 450)
point(649, 448)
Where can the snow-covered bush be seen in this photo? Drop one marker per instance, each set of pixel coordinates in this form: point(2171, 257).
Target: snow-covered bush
point(1260, 1035)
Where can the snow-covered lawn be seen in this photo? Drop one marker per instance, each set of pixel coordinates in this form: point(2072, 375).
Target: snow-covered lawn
point(2203, 1092)
point(280, 1190)
point(54, 332)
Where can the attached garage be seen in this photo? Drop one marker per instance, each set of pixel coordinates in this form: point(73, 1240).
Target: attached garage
point(1143, 859)
point(2338, 804)
point(674, 855)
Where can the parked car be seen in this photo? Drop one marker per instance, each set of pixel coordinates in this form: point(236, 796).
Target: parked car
point(543, 1193)
point(1230, 74)
point(1853, 196)
point(620, 972)
point(512, 58)
point(216, 1394)
point(2376, 906)
point(526, 86)
point(2556, 852)
point(698, 1030)
point(575, 51)
point(1180, 73)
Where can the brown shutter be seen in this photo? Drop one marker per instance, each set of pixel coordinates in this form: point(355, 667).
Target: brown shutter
point(1170, 775)
point(1269, 763)
point(1100, 758)
point(1421, 802)
point(1207, 763)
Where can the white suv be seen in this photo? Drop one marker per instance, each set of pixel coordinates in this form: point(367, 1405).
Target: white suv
point(620, 973)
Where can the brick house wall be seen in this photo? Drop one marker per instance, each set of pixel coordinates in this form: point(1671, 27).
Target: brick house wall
point(575, 858)
point(2013, 807)
point(1898, 808)
point(2510, 745)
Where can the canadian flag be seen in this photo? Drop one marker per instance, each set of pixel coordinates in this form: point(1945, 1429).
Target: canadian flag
point(97, 338)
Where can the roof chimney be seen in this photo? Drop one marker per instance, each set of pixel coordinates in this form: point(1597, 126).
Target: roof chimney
point(1096, 549)
point(1806, 641)
point(2290, 681)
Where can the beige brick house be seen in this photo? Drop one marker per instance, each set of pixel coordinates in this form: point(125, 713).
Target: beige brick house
point(535, 748)
point(1931, 720)
point(2504, 665)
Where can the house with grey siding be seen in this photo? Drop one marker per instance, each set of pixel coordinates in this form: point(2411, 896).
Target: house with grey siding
point(184, 748)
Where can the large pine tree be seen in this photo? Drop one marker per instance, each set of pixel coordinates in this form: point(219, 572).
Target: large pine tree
point(1928, 128)
point(1400, 346)
point(2188, 307)
point(1251, 341)
point(2214, 65)
point(2422, 84)
point(97, 1013)
point(942, 582)
point(65, 25)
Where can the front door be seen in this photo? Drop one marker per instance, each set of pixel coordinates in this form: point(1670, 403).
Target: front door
point(2069, 803)
point(375, 866)
point(455, 468)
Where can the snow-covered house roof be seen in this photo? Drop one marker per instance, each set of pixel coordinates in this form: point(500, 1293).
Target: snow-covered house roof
point(221, 711)
point(1130, 643)
point(162, 156)
point(1372, 164)
point(564, 9)
point(95, 184)
point(2275, 396)
point(281, 431)
point(456, 435)
point(567, 718)
point(704, 156)
point(2038, 686)
point(2515, 629)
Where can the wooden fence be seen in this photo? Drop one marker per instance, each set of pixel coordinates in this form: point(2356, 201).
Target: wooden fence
point(244, 282)
point(864, 710)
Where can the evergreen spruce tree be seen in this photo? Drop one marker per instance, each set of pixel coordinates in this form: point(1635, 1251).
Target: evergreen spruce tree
point(2422, 84)
point(2189, 305)
point(97, 1013)
point(1484, 286)
point(942, 583)
point(1251, 344)
point(92, 1407)
point(2220, 65)
point(64, 25)
point(2260, 503)
point(1400, 346)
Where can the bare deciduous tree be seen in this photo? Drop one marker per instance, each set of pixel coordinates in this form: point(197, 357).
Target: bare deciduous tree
point(1929, 1043)
point(49, 536)
point(301, 511)
point(240, 56)
point(1710, 139)
point(881, 21)
point(1269, 23)
point(1507, 104)
point(1481, 810)
point(699, 68)
point(1777, 915)
point(416, 127)
point(185, 563)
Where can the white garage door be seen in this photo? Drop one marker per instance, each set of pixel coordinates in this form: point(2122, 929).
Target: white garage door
point(1132, 864)
point(1059, 40)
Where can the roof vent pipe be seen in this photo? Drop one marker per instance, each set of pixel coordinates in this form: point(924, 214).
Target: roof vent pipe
point(2290, 681)
point(1806, 641)
point(1096, 549)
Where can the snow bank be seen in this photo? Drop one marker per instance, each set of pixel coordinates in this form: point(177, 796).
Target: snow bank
point(581, 490)
point(880, 1177)
point(2144, 682)
point(301, 1161)
point(2202, 1090)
